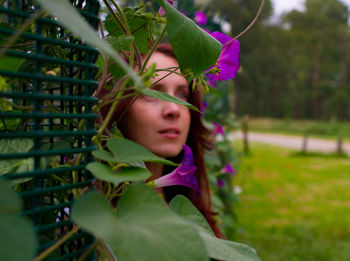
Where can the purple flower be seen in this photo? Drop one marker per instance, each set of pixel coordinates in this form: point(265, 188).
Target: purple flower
point(220, 183)
point(204, 106)
point(183, 175)
point(218, 128)
point(228, 169)
point(200, 18)
point(228, 62)
point(161, 11)
point(212, 83)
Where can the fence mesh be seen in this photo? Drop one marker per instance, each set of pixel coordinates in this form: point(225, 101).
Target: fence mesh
point(46, 118)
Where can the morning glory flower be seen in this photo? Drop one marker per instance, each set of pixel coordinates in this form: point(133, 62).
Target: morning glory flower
point(200, 18)
point(218, 129)
point(228, 61)
point(220, 183)
point(204, 106)
point(228, 169)
point(161, 11)
point(183, 175)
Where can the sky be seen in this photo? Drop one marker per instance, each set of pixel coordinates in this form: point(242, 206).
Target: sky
point(281, 6)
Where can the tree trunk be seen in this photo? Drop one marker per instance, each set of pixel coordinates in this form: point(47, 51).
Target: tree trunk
point(315, 79)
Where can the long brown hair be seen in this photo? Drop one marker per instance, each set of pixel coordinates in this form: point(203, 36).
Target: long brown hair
point(199, 139)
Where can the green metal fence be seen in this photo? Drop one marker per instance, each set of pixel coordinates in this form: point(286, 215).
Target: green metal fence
point(46, 119)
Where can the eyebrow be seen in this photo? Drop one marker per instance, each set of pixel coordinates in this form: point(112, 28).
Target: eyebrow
point(160, 86)
point(186, 87)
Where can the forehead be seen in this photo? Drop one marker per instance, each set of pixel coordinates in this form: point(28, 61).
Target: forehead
point(163, 78)
point(162, 60)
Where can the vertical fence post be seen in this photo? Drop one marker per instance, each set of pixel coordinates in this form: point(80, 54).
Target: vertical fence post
point(245, 122)
point(340, 145)
point(304, 144)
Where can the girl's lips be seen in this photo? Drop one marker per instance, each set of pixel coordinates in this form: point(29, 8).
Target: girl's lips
point(170, 133)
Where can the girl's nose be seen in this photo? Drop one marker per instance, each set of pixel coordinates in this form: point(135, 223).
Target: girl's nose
point(171, 110)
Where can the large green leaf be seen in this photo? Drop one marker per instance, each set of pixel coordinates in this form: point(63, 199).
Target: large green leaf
point(10, 203)
point(127, 151)
point(10, 63)
point(16, 165)
point(217, 248)
point(183, 207)
point(138, 27)
point(105, 173)
point(72, 20)
point(228, 250)
point(17, 238)
point(166, 97)
point(120, 42)
point(143, 228)
point(195, 50)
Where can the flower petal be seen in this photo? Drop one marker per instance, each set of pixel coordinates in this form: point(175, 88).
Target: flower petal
point(218, 128)
point(200, 18)
point(228, 61)
point(183, 175)
point(220, 183)
point(228, 169)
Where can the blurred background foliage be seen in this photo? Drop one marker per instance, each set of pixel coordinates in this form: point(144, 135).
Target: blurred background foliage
point(296, 67)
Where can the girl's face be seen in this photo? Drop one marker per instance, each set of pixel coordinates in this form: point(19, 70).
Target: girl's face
point(160, 126)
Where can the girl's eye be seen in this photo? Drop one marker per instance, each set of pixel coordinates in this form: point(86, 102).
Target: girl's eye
point(148, 98)
point(182, 96)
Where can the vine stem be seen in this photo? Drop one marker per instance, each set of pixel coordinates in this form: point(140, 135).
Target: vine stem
point(250, 25)
point(133, 48)
point(57, 244)
point(87, 252)
point(112, 109)
point(18, 33)
point(153, 49)
point(254, 20)
point(139, 94)
point(115, 17)
point(108, 251)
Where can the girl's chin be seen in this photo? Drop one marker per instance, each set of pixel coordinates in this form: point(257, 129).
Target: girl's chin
point(168, 151)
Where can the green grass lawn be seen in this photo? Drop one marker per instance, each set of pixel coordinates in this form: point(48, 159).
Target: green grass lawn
point(294, 208)
point(321, 129)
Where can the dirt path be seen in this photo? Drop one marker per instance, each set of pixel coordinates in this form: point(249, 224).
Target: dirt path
point(295, 142)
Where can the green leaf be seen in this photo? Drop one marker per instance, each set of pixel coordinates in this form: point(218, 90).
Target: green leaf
point(16, 165)
point(103, 155)
point(166, 97)
point(137, 25)
point(72, 20)
point(183, 207)
point(143, 228)
point(10, 203)
point(115, 70)
point(141, 40)
point(195, 50)
point(217, 248)
point(127, 151)
point(120, 42)
point(228, 250)
point(100, 62)
point(17, 237)
point(105, 173)
point(10, 63)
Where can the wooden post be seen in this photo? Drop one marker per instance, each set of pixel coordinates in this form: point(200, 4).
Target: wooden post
point(340, 145)
point(304, 144)
point(245, 121)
